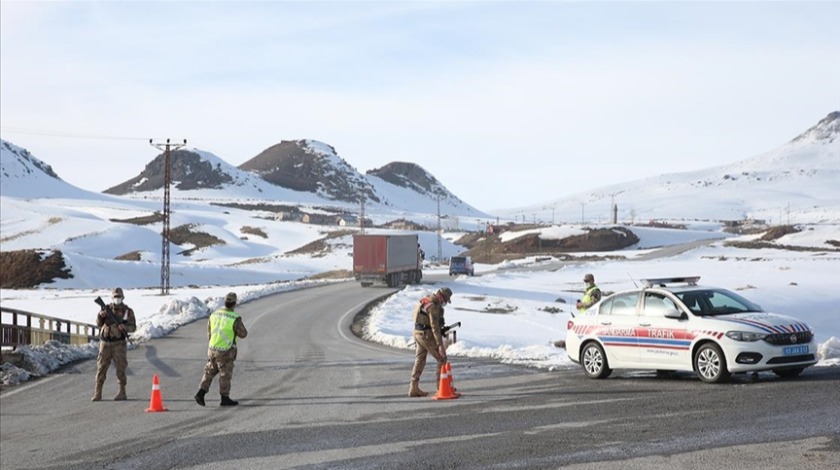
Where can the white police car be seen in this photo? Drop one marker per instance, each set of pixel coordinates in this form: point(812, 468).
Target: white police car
point(672, 324)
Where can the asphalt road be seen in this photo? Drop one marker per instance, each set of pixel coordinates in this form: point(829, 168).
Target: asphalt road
point(312, 395)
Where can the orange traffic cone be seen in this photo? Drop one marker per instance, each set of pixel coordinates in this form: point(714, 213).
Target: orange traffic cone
point(451, 377)
point(156, 403)
point(445, 391)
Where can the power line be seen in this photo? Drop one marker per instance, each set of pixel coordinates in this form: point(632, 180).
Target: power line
point(65, 135)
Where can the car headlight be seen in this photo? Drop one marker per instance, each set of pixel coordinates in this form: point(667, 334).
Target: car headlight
point(745, 336)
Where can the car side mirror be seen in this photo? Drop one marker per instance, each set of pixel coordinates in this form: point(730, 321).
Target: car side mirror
point(673, 313)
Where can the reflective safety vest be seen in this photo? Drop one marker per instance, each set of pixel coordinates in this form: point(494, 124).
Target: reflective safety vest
point(587, 298)
point(222, 336)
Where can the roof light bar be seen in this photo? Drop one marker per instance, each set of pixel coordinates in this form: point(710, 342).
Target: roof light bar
point(663, 281)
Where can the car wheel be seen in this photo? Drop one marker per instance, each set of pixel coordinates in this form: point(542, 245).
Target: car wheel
point(594, 362)
point(710, 364)
point(788, 373)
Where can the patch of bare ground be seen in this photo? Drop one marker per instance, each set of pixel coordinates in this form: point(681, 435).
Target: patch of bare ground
point(253, 231)
point(185, 234)
point(131, 256)
point(25, 269)
point(488, 248)
point(142, 220)
point(760, 245)
point(320, 248)
point(775, 233)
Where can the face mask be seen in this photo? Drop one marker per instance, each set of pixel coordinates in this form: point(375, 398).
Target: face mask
point(118, 300)
point(588, 284)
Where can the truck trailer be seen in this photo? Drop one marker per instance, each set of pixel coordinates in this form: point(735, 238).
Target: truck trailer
point(388, 260)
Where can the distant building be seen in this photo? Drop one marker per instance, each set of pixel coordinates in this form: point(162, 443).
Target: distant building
point(349, 220)
point(403, 224)
point(318, 219)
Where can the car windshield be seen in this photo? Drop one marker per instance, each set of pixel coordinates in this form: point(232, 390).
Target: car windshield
point(716, 302)
point(458, 260)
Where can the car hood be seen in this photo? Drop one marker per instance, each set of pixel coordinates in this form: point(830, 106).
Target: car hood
point(770, 323)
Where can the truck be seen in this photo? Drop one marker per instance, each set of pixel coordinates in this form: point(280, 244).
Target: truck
point(385, 259)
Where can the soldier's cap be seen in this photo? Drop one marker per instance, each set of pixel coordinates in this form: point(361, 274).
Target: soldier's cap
point(230, 298)
point(117, 292)
point(588, 278)
point(446, 293)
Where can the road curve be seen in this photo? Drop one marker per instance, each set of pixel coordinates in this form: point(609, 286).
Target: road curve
point(314, 396)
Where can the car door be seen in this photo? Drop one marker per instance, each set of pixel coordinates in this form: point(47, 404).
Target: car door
point(663, 342)
point(616, 329)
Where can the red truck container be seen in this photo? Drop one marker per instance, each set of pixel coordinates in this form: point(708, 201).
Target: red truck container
point(386, 259)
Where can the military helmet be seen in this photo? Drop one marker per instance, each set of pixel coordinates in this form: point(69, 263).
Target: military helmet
point(117, 292)
point(445, 293)
point(589, 278)
point(230, 298)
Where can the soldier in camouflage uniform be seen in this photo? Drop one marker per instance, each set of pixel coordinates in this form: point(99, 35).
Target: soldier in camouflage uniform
point(223, 328)
point(428, 320)
point(112, 344)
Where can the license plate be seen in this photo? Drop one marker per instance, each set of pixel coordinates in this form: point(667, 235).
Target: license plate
point(796, 350)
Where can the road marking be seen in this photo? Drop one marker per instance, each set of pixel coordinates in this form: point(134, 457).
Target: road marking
point(30, 385)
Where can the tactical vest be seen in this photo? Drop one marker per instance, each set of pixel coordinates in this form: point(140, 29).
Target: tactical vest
point(112, 333)
point(222, 335)
point(421, 314)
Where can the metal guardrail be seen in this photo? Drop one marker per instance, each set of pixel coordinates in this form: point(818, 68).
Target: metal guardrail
point(17, 329)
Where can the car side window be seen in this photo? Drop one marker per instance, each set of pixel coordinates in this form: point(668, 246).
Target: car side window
point(620, 305)
point(657, 304)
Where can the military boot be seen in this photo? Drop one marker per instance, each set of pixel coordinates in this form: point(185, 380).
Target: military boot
point(97, 392)
point(226, 401)
point(121, 394)
point(414, 390)
point(199, 396)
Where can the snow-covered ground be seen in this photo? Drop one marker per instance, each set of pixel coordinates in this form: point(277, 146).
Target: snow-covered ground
point(530, 307)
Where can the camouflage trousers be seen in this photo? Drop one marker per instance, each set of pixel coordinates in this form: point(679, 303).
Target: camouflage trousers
point(424, 344)
point(116, 352)
point(219, 363)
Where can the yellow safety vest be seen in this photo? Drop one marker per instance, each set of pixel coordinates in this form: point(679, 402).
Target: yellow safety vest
point(222, 336)
point(587, 297)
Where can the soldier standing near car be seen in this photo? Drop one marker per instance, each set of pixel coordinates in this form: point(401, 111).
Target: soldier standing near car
point(591, 295)
point(223, 327)
point(428, 339)
point(112, 343)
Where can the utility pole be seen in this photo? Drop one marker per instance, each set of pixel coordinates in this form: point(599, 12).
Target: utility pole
point(164, 240)
point(440, 233)
point(362, 218)
point(582, 218)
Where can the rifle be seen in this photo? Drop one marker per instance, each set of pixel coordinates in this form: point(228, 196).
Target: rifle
point(111, 318)
point(444, 330)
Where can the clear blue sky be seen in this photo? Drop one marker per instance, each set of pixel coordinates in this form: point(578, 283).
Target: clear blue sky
point(507, 103)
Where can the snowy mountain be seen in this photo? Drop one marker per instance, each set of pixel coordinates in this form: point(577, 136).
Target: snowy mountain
point(197, 174)
point(296, 172)
point(22, 175)
point(311, 166)
point(796, 183)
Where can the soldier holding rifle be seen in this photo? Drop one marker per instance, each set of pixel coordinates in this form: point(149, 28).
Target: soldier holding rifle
point(115, 321)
